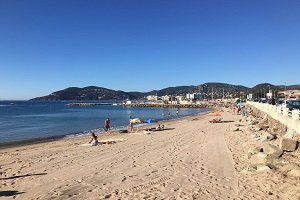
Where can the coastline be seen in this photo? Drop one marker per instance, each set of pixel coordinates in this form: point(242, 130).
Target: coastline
point(99, 131)
point(194, 159)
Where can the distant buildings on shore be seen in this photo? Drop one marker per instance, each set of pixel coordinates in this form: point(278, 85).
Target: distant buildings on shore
point(188, 99)
point(200, 98)
point(287, 94)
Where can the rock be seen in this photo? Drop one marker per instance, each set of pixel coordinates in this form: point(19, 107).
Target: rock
point(260, 157)
point(294, 172)
point(256, 135)
point(263, 127)
point(272, 129)
point(253, 122)
point(251, 168)
point(262, 167)
point(253, 151)
point(253, 128)
point(288, 144)
point(266, 137)
point(256, 128)
point(272, 151)
point(289, 134)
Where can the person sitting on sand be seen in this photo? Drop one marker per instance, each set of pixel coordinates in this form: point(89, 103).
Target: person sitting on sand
point(94, 141)
point(160, 127)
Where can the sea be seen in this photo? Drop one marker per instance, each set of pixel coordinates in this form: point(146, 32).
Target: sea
point(33, 120)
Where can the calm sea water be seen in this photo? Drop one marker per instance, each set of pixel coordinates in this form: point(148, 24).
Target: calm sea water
point(28, 120)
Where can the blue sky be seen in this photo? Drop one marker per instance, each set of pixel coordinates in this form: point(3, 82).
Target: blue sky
point(141, 45)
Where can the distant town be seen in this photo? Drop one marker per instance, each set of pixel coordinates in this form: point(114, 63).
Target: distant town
point(180, 95)
point(199, 98)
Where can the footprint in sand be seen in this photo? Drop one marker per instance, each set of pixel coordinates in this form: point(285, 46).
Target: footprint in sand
point(124, 179)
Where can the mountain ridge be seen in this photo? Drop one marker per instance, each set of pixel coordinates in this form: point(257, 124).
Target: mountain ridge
point(210, 89)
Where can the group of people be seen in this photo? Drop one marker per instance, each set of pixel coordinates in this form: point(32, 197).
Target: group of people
point(238, 109)
point(107, 124)
point(94, 140)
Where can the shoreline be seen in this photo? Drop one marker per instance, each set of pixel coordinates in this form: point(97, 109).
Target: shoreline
point(99, 132)
point(191, 159)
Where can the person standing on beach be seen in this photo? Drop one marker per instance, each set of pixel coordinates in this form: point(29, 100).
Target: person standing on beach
point(169, 115)
point(177, 112)
point(107, 125)
point(130, 125)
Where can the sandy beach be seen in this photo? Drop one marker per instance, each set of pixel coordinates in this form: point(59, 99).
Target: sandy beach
point(191, 159)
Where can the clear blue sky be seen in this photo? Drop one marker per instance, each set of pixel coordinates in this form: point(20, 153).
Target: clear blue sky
point(141, 45)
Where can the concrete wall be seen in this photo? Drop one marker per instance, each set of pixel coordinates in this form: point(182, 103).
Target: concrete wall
point(289, 118)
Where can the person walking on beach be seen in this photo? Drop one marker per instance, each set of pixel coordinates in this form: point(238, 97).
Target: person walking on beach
point(177, 112)
point(107, 125)
point(169, 115)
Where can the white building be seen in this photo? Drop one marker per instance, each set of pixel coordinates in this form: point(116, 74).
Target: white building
point(166, 98)
point(152, 98)
point(194, 96)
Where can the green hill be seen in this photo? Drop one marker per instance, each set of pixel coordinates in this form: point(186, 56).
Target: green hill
point(210, 90)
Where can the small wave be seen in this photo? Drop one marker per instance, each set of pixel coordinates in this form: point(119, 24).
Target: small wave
point(84, 133)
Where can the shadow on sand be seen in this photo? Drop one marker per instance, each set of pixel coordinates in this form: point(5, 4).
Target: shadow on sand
point(9, 193)
point(163, 129)
point(21, 176)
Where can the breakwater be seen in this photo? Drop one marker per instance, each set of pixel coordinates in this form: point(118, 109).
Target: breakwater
point(88, 104)
point(143, 105)
point(172, 105)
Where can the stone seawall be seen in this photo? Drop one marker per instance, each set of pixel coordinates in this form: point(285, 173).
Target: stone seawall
point(274, 125)
point(290, 118)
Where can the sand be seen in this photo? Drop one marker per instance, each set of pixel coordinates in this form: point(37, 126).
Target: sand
point(192, 159)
